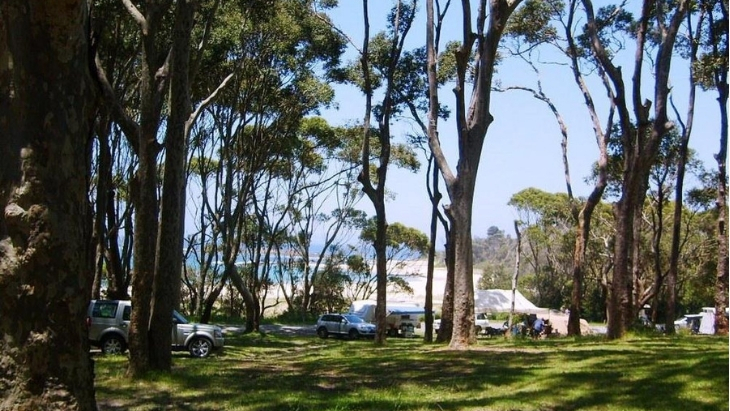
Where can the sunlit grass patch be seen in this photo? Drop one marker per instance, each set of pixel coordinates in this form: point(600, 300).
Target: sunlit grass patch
point(271, 372)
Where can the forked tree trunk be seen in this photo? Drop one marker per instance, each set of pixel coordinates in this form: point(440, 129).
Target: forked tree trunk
point(46, 117)
point(472, 125)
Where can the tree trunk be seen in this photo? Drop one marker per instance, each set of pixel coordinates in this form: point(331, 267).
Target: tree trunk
point(435, 196)
point(248, 297)
point(577, 275)
point(206, 306)
point(584, 216)
point(619, 300)
point(104, 175)
point(376, 193)
point(460, 216)
point(433, 29)
point(153, 80)
point(721, 284)
point(381, 268)
point(46, 123)
point(515, 277)
point(168, 270)
point(145, 234)
point(447, 306)
point(117, 274)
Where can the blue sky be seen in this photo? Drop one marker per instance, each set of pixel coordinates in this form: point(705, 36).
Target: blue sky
point(522, 147)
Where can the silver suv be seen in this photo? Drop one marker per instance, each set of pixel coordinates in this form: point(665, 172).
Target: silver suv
point(344, 324)
point(108, 323)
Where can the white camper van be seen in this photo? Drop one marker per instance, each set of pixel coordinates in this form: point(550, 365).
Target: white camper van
point(402, 318)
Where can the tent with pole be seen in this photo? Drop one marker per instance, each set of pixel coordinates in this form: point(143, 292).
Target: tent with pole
point(500, 301)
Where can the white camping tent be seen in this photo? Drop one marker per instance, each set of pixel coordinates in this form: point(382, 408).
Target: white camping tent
point(500, 301)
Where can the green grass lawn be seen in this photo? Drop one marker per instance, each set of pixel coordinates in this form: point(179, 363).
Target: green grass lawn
point(272, 372)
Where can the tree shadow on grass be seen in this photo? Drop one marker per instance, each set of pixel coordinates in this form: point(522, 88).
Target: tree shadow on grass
point(269, 374)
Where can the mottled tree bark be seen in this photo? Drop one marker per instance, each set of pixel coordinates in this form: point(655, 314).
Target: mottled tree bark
point(46, 112)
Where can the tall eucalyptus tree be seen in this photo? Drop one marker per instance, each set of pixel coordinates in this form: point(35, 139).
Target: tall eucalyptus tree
point(472, 125)
point(641, 134)
point(382, 54)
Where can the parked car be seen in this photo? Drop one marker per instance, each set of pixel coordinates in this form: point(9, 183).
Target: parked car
point(108, 324)
point(481, 324)
point(690, 322)
point(344, 324)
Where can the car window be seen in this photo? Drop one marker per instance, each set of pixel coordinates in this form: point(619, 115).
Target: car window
point(127, 313)
point(176, 316)
point(354, 319)
point(104, 310)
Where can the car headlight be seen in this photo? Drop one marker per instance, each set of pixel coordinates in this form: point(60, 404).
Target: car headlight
point(218, 333)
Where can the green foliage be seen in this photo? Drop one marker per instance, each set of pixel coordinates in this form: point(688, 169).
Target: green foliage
point(663, 172)
point(531, 21)
point(403, 242)
point(495, 256)
point(328, 294)
point(401, 155)
point(711, 67)
point(447, 63)
point(535, 205)
point(614, 23)
point(548, 240)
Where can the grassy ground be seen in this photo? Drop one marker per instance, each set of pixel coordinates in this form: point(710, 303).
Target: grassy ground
point(266, 373)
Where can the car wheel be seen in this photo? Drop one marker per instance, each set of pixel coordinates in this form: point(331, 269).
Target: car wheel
point(392, 332)
point(112, 344)
point(354, 334)
point(478, 329)
point(200, 347)
point(322, 332)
